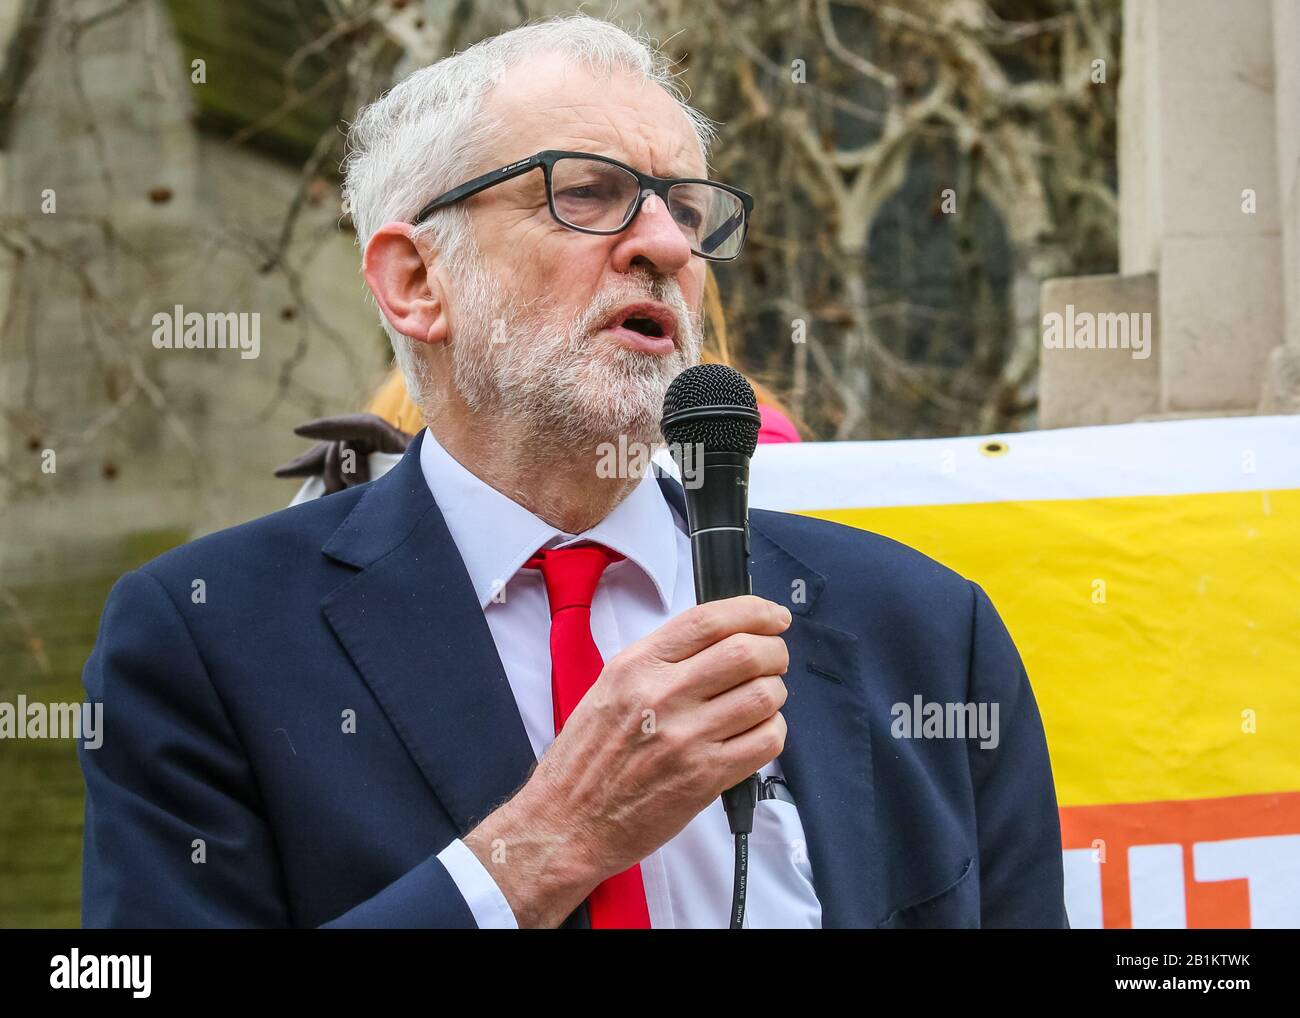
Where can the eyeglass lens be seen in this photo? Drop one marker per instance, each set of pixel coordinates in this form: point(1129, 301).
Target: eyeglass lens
point(594, 195)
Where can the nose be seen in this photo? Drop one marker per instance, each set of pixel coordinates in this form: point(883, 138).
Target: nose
point(652, 240)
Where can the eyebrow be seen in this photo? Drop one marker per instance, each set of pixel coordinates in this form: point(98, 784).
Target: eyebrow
point(674, 171)
point(677, 171)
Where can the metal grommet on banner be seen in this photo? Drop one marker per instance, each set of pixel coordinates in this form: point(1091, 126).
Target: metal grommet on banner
point(994, 447)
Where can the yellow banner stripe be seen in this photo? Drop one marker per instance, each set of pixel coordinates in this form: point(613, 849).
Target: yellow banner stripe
point(1157, 631)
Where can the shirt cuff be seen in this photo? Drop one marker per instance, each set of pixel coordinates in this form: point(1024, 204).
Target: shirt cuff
point(485, 900)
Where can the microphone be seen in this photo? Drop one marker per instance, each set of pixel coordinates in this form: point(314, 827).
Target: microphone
point(711, 424)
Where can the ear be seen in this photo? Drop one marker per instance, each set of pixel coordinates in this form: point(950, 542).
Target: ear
point(408, 291)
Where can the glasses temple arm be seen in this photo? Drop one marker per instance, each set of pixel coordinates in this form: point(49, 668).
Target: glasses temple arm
point(722, 232)
point(473, 187)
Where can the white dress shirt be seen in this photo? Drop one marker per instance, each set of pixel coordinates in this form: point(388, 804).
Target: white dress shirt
point(688, 880)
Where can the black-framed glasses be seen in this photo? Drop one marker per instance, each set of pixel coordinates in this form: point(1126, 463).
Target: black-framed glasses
point(596, 194)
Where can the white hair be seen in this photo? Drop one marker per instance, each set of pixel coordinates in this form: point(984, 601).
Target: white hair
point(425, 135)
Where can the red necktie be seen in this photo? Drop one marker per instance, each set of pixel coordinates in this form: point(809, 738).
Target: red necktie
point(571, 575)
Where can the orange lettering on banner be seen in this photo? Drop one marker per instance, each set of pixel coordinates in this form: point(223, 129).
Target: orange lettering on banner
point(1185, 824)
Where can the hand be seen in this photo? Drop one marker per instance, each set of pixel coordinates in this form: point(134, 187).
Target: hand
point(675, 719)
point(342, 457)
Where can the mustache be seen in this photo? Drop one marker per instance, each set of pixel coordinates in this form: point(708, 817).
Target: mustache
point(665, 292)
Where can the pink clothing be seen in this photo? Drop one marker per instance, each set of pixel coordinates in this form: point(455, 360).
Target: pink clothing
point(775, 426)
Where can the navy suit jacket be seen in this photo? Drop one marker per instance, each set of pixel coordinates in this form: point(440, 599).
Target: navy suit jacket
point(229, 790)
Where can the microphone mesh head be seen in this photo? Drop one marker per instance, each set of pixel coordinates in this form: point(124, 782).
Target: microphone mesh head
point(732, 423)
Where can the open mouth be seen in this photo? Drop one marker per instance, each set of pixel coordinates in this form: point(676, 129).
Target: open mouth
point(649, 319)
point(645, 326)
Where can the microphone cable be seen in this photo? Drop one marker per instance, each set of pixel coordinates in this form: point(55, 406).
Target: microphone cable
point(740, 803)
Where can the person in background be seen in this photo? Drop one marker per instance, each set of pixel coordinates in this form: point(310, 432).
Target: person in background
point(390, 420)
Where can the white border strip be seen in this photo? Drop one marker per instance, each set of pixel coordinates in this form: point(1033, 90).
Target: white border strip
point(1157, 458)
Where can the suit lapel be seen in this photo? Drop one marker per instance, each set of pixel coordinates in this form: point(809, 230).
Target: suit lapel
point(412, 624)
point(827, 756)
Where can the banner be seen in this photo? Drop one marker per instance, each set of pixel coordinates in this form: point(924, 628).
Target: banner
point(1150, 576)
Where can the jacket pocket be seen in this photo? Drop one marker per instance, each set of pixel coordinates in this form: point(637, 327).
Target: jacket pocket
point(957, 906)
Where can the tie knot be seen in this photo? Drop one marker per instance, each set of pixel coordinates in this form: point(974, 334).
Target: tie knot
point(571, 573)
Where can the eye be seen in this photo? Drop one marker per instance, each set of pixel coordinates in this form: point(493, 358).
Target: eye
point(582, 192)
point(687, 216)
point(598, 187)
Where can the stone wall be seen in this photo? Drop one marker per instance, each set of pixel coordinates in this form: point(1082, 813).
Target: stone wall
point(117, 206)
point(1209, 115)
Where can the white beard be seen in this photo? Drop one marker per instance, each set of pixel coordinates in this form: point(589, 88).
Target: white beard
point(526, 363)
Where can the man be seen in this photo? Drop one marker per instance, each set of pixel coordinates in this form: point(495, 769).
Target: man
point(346, 713)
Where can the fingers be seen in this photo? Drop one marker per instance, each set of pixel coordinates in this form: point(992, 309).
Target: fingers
point(309, 464)
point(358, 460)
point(331, 473)
point(705, 625)
point(344, 467)
point(738, 659)
point(753, 749)
point(391, 439)
point(740, 708)
point(342, 457)
point(336, 428)
point(369, 429)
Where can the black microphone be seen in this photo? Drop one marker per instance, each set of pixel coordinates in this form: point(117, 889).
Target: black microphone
point(711, 425)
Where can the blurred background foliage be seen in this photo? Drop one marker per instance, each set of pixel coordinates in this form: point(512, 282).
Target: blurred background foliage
point(849, 121)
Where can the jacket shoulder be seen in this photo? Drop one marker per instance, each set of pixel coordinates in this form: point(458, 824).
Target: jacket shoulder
point(273, 542)
point(869, 580)
point(839, 551)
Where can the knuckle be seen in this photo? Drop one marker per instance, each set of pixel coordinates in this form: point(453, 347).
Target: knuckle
point(618, 677)
point(742, 656)
point(700, 623)
point(705, 764)
point(763, 697)
point(693, 764)
point(646, 693)
point(618, 664)
point(671, 743)
point(775, 655)
point(783, 655)
point(776, 738)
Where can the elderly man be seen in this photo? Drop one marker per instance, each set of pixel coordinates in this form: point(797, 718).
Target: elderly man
point(478, 691)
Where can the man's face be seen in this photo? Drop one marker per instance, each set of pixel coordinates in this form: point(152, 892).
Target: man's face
point(528, 335)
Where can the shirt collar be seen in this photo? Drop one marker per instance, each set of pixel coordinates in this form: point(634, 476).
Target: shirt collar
point(496, 535)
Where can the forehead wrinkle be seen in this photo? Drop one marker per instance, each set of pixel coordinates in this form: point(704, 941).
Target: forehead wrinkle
point(638, 140)
point(634, 136)
point(636, 156)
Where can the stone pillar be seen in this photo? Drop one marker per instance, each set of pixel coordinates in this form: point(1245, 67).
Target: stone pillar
point(1207, 204)
point(1209, 125)
point(1282, 385)
point(1100, 383)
